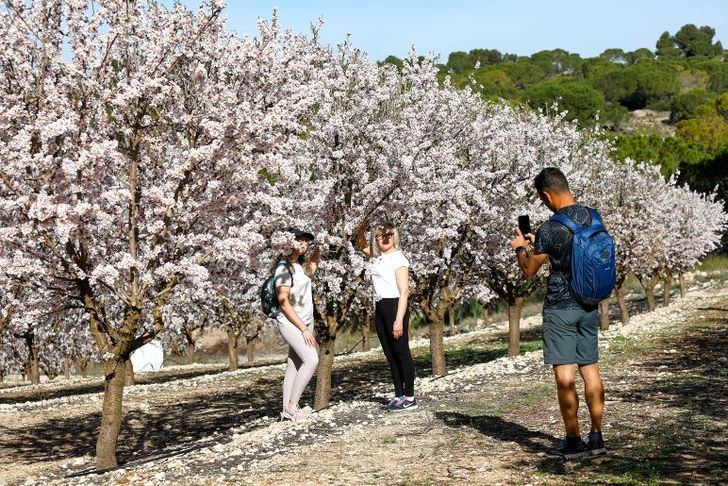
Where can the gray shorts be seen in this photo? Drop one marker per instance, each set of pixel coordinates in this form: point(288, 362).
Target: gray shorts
point(570, 336)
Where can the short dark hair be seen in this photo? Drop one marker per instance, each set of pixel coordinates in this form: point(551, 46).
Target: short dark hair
point(551, 179)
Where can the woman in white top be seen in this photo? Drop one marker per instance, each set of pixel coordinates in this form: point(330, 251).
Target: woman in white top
point(390, 277)
point(295, 321)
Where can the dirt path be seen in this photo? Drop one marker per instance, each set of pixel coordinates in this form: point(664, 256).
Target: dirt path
point(489, 420)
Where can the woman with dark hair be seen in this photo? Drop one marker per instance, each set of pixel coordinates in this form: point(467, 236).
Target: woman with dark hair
point(295, 321)
point(390, 278)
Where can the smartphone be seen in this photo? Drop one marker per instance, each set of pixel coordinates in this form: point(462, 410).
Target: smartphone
point(524, 224)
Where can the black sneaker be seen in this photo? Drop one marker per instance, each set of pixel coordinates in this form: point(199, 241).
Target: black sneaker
point(392, 402)
point(569, 448)
point(595, 445)
point(404, 404)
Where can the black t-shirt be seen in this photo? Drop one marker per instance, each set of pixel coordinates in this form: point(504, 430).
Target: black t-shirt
point(554, 239)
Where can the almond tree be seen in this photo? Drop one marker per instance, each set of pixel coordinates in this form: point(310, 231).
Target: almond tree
point(519, 145)
point(370, 127)
point(133, 139)
point(697, 224)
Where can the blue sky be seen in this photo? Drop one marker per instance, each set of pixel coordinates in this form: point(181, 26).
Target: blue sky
point(517, 26)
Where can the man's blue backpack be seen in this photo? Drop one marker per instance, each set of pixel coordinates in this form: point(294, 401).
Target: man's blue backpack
point(593, 259)
point(268, 296)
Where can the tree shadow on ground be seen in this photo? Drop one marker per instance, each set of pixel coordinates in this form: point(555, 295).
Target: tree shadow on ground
point(687, 446)
point(147, 429)
point(500, 429)
point(97, 386)
point(680, 450)
point(698, 373)
point(144, 429)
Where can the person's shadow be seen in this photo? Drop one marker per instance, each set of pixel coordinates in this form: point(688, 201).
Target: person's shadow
point(500, 429)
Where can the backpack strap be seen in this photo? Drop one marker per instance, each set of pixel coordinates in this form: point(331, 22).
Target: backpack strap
point(288, 266)
point(596, 218)
point(566, 222)
point(596, 221)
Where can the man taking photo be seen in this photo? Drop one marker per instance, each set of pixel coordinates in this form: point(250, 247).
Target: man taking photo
point(570, 320)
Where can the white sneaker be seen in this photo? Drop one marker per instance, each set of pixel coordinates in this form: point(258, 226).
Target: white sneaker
point(296, 415)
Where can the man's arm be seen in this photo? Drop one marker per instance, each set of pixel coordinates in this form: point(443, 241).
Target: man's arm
point(529, 263)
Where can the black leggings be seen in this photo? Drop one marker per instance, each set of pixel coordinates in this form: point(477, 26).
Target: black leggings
point(396, 350)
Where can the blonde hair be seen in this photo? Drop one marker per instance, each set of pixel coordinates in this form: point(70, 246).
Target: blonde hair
point(384, 228)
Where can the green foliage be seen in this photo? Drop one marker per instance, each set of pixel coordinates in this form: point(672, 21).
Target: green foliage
point(394, 60)
point(579, 98)
point(695, 41)
point(685, 105)
point(494, 83)
point(717, 73)
point(597, 67)
point(638, 85)
point(460, 62)
point(721, 106)
point(708, 128)
point(669, 153)
point(614, 55)
point(557, 62)
point(666, 48)
point(641, 54)
point(523, 73)
point(670, 79)
point(689, 41)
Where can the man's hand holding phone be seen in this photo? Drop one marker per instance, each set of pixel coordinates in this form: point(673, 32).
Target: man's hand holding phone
point(524, 226)
point(520, 240)
point(524, 236)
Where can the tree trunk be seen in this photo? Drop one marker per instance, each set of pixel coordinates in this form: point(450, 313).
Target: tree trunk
point(250, 350)
point(66, 367)
point(668, 288)
point(129, 374)
point(232, 342)
point(604, 314)
point(323, 373)
point(623, 310)
point(451, 318)
point(34, 368)
point(650, 292)
point(682, 285)
point(190, 355)
point(114, 377)
point(514, 326)
point(436, 321)
point(82, 366)
point(366, 334)
point(489, 311)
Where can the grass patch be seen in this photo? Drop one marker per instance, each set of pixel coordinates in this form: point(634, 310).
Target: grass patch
point(507, 400)
point(470, 355)
point(632, 285)
point(713, 262)
point(664, 453)
point(622, 348)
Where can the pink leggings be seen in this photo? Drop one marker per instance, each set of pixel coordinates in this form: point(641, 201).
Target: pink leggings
point(302, 361)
